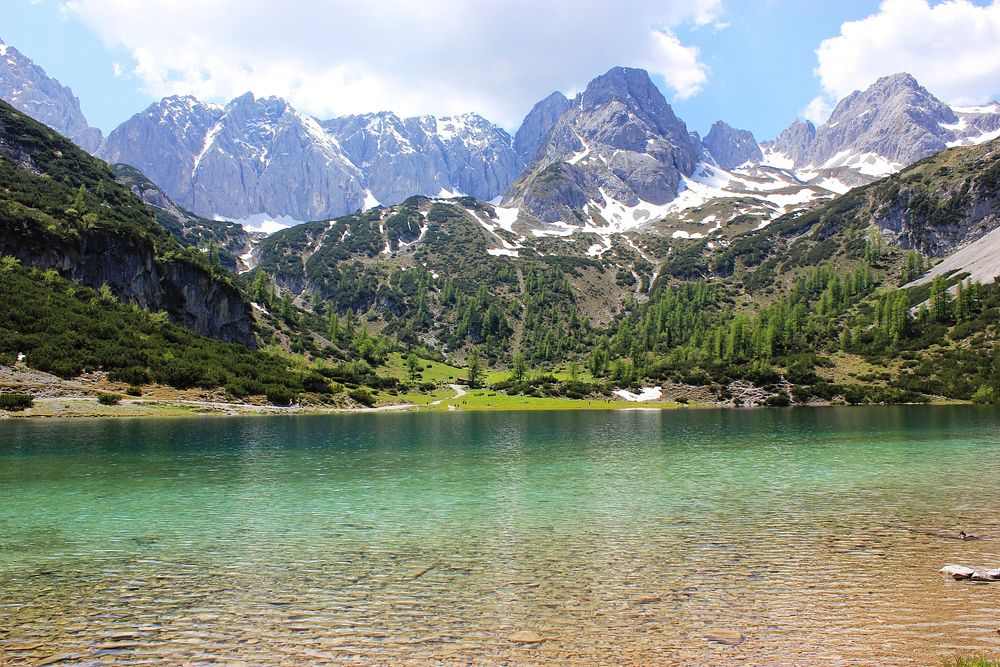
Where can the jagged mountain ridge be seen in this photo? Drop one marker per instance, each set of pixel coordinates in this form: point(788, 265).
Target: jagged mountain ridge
point(424, 155)
point(28, 88)
point(250, 156)
point(891, 124)
point(262, 156)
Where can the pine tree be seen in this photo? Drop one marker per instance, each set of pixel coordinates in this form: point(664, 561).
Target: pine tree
point(519, 368)
point(412, 366)
point(475, 369)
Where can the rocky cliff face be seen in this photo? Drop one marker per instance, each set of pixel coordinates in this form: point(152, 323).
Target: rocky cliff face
point(107, 236)
point(943, 204)
point(534, 130)
point(618, 144)
point(28, 88)
point(731, 147)
point(188, 293)
point(262, 156)
point(795, 141)
point(251, 156)
point(424, 155)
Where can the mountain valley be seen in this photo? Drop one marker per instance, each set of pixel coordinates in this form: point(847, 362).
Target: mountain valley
point(603, 247)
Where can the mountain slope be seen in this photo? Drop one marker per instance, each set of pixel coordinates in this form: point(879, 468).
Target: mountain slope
point(226, 242)
point(62, 209)
point(28, 88)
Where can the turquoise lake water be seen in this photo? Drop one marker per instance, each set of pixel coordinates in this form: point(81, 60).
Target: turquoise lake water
point(806, 536)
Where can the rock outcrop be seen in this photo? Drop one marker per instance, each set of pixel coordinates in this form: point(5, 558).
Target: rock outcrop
point(731, 147)
point(28, 88)
point(534, 130)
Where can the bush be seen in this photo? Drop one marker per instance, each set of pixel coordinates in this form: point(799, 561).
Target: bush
point(362, 396)
point(133, 391)
point(13, 402)
point(778, 401)
point(106, 398)
point(134, 375)
point(279, 395)
point(984, 394)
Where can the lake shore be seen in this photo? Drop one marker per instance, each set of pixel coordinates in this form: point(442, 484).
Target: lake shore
point(77, 398)
point(89, 407)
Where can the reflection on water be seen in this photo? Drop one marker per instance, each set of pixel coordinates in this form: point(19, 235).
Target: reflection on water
point(690, 537)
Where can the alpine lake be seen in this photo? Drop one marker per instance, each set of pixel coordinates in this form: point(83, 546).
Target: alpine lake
point(695, 537)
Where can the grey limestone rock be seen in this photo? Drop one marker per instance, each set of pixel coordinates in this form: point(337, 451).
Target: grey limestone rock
point(796, 140)
point(28, 88)
point(530, 137)
point(251, 156)
point(618, 139)
point(424, 155)
point(731, 147)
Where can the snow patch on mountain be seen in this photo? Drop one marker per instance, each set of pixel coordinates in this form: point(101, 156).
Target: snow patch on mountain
point(869, 164)
point(263, 223)
point(370, 201)
point(978, 139)
point(622, 217)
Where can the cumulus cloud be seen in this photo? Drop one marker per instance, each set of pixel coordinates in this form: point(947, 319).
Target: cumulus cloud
point(435, 56)
point(952, 48)
point(818, 110)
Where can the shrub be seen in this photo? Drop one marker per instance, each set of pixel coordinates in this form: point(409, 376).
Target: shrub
point(134, 391)
point(134, 375)
point(106, 398)
point(778, 401)
point(279, 395)
point(13, 402)
point(362, 396)
point(984, 394)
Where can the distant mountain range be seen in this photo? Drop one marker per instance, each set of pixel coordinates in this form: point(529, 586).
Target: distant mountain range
point(613, 158)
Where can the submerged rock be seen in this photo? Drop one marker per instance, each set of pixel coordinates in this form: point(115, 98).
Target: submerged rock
point(726, 637)
point(960, 573)
point(526, 637)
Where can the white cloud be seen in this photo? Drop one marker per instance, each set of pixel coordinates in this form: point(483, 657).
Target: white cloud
point(818, 110)
point(434, 56)
point(952, 48)
point(678, 64)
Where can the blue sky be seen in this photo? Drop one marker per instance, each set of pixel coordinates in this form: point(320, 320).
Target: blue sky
point(751, 63)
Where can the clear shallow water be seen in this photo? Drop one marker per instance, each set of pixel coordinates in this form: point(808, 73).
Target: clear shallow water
point(680, 537)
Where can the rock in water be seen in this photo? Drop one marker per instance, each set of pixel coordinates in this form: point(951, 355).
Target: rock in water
point(957, 572)
point(526, 637)
point(726, 637)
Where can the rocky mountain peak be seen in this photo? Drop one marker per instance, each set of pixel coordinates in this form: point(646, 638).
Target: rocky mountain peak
point(28, 88)
point(617, 145)
point(892, 123)
point(731, 147)
point(795, 141)
point(537, 124)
